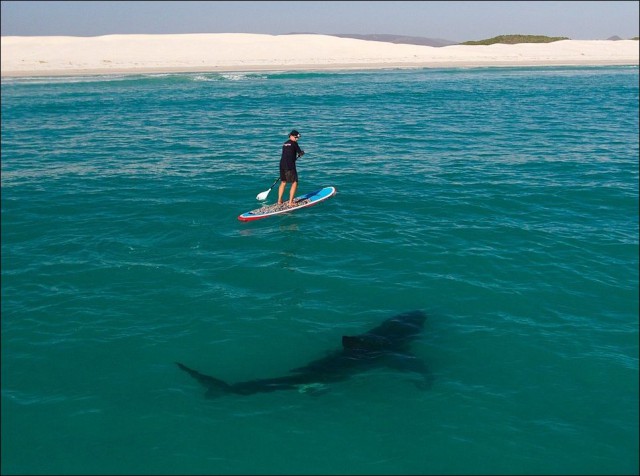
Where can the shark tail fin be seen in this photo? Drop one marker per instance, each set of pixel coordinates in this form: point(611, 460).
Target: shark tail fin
point(215, 387)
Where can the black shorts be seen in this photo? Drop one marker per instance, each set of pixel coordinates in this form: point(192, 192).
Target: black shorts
point(289, 176)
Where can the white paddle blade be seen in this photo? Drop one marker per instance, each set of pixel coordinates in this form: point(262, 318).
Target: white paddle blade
point(263, 195)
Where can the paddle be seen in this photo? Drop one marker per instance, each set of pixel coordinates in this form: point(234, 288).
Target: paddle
point(263, 195)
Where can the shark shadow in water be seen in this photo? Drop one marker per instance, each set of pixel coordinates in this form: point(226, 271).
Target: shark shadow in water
point(384, 346)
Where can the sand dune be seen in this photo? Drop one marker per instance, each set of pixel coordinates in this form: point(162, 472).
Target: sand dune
point(63, 55)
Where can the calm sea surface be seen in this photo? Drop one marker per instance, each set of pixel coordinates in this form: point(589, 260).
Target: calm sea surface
point(503, 202)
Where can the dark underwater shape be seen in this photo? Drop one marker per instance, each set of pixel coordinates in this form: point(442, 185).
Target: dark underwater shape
point(384, 346)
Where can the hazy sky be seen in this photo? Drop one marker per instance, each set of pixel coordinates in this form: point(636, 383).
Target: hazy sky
point(449, 20)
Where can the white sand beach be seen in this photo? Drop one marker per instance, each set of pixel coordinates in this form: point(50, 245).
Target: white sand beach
point(118, 54)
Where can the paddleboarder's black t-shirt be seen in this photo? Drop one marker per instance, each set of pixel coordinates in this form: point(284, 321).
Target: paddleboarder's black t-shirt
point(290, 153)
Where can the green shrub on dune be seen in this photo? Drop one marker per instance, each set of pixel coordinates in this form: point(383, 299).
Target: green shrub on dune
point(514, 39)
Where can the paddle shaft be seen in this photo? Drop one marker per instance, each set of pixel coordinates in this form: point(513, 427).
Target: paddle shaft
point(277, 180)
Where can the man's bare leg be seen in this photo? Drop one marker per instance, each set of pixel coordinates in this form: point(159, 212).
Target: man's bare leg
point(283, 184)
point(292, 192)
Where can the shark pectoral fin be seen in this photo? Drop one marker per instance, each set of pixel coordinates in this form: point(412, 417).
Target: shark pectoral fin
point(407, 362)
point(214, 386)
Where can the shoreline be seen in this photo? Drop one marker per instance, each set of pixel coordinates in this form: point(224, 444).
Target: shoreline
point(221, 52)
point(303, 68)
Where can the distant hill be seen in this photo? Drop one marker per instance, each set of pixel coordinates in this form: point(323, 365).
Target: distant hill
point(514, 39)
point(400, 39)
point(405, 40)
point(614, 38)
point(617, 38)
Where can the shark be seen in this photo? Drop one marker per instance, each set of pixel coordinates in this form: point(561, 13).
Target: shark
point(387, 345)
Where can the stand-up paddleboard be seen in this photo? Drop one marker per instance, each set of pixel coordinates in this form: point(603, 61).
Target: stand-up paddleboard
point(302, 201)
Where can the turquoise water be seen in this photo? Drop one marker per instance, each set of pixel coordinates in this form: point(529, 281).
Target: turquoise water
point(501, 202)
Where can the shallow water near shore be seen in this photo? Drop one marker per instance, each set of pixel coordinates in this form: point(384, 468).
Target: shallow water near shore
point(503, 202)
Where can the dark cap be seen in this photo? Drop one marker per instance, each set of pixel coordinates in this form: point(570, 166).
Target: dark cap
point(294, 133)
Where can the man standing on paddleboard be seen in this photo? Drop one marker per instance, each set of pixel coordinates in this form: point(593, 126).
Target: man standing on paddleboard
point(291, 152)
